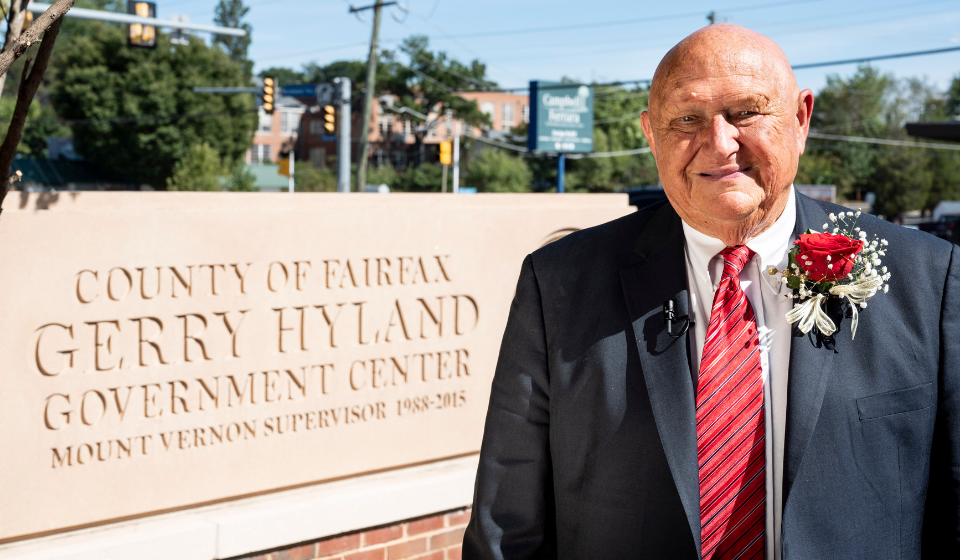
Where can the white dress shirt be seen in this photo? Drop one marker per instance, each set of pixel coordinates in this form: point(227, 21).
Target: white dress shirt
point(770, 303)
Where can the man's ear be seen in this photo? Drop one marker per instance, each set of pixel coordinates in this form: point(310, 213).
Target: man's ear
point(648, 131)
point(804, 112)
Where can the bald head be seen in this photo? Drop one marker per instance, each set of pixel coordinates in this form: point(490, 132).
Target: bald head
point(727, 124)
point(721, 48)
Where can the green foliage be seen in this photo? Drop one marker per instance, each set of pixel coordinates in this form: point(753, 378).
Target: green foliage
point(285, 76)
point(307, 178)
point(427, 177)
point(41, 123)
point(230, 13)
point(200, 169)
point(385, 175)
point(495, 170)
point(952, 104)
point(101, 78)
point(239, 178)
point(876, 105)
point(428, 83)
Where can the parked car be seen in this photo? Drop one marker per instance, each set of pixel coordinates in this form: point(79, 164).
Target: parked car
point(641, 197)
point(946, 227)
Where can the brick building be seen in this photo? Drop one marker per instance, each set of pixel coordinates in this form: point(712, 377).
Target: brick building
point(391, 138)
point(276, 133)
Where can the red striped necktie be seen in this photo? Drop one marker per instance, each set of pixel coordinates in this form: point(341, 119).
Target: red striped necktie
point(730, 430)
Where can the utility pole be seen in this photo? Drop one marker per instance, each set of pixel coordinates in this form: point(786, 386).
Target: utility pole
point(456, 157)
point(290, 182)
point(368, 95)
point(344, 138)
point(712, 17)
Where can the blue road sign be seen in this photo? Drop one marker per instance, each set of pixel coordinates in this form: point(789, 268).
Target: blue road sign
point(299, 90)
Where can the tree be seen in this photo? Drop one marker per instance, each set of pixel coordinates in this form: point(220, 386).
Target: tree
point(201, 169)
point(494, 170)
point(134, 110)
point(428, 84)
point(46, 26)
point(953, 98)
point(617, 128)
point(230, 13)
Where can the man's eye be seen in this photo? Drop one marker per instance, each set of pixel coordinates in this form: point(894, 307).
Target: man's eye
point(686, 119)
point(747, 113)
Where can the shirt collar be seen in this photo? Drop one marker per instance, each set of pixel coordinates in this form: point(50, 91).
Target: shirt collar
point(770, 246)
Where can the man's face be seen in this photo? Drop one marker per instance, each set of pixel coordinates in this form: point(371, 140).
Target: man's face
point(727, 139)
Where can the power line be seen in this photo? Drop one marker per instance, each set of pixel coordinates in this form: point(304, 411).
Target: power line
point(609, 23)
point(870, 58)
point(885, 142)
point(146, 119)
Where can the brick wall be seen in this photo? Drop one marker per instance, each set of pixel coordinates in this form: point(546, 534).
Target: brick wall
point(437, 537)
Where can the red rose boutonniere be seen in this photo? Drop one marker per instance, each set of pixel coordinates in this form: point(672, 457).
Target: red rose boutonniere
point(840, 264)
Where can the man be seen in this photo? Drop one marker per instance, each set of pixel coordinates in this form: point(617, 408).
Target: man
point(610, 436)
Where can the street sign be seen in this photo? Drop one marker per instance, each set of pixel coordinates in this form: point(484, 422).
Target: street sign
point(325, 94)
point(299, 90)
point(561, 117)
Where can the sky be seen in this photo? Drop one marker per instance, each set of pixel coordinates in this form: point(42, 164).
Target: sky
point(601, 40)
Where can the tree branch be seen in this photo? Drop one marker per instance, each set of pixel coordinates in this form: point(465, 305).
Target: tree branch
point(14, 51)
point(28, 89)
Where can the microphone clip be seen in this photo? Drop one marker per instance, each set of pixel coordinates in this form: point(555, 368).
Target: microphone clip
point(670, 317)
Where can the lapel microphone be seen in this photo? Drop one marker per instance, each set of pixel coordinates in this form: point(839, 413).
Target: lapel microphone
point(670, 317)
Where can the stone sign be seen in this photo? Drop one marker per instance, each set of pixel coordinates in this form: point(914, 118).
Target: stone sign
point(165, 350)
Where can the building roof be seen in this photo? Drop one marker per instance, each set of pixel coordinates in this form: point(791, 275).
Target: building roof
point(268, 176)
point(949, 130)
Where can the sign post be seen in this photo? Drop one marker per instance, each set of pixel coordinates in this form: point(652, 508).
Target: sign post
point(561, 121)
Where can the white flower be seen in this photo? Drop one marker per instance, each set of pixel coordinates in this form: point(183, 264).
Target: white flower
point(833, 217)
point(850, 214)
point(868, 268)
point(876, 261)
point(826, 226)
point(836, 230)
point(886, 288)
point(883, 270)
point(863, 235)
point(784, 280)
point(830, 266)
point(884, 241)
point(863, 305)
point(886, 277)
point(858, 213)
point(829, 258)
point(809, 263)
point(856, 229)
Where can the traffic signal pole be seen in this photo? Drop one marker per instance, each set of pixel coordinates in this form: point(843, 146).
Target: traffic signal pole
point(344, 138)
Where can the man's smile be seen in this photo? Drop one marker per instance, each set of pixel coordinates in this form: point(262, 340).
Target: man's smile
point(725, 173)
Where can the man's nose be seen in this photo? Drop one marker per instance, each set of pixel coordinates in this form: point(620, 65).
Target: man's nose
point(723, 136)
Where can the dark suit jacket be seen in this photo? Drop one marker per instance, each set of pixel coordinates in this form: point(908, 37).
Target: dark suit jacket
point(589, 449)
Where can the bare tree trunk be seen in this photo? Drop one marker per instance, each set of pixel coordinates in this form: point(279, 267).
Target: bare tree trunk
point(13, 51)
point(29, 84)
point(18, 11)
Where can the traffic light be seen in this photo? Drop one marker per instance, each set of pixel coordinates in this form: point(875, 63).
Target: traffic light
point(284, 165)
point(445, 153)
point(330, 119)
point(138, 34)
point(269, 90)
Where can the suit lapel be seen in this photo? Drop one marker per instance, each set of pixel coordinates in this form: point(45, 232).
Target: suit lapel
point(809, 368)
point(660, 276)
